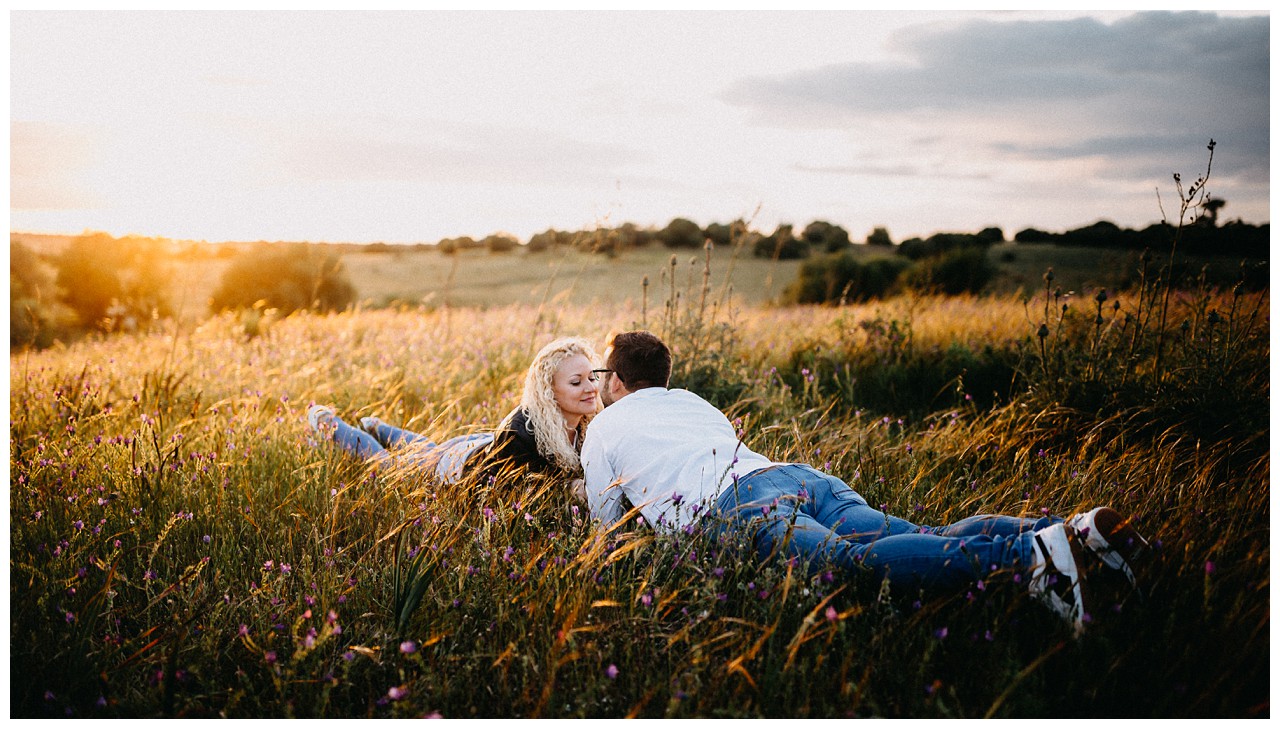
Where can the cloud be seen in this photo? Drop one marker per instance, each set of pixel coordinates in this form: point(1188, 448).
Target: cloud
point(888, 170)
point(1140, 89)
point(443, 152)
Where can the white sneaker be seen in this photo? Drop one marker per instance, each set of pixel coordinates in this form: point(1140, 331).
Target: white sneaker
point(1057, 576)
point(320, 416)
point(1111, 538)
point(370, 425)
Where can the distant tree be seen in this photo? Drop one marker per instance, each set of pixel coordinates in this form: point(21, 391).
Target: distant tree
point(991, 235)
point(108, 281)
point(540, 242)
point(644, 237)
point(721, 235)
point(681, 233)
point(287, 277)
point(88, 277)
point(782, 244)
point(879, 237)
point(939, 243)
point(824, 236)
point(500, 243)
point(36, 318)
point(1032, 235)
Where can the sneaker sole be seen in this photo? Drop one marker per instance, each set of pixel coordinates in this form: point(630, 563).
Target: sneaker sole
point(1111, 538)
point(1059, 582)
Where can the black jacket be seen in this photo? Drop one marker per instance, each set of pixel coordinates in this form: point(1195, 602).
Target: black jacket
point(513, 446)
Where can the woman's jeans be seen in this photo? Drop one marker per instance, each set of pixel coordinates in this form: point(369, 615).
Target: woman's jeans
point(798, 511)
point(410, 450)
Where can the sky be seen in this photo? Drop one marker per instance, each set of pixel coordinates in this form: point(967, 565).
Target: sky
point(409, 127)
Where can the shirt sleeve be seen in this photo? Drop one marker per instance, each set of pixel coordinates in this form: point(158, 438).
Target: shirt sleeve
point(604, 488)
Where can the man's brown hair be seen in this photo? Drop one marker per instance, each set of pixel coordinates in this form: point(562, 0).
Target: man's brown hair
point(640, 359)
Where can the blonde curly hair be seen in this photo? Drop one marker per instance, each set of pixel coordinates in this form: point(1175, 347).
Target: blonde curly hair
point(539, 402)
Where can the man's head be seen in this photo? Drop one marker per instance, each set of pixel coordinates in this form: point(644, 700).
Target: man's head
point(636, 360)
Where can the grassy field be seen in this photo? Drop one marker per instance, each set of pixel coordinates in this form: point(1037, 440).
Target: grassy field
point(181, 546)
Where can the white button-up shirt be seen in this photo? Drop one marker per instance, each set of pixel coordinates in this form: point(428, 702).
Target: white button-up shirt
point(669, 451)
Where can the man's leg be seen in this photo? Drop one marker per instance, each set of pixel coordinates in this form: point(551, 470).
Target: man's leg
point(799, 511)
point(992, 525)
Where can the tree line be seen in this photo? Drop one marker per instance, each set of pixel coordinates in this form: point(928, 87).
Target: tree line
point(101, 283)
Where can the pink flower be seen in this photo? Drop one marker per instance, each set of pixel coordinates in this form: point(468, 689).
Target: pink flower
point(395, 693)
point(611, 671)
point(831, 613)
point(408, 647)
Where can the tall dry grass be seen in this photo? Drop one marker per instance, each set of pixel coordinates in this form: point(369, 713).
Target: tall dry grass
point(181, 545)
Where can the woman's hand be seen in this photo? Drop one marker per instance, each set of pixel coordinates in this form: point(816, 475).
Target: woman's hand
point(578, 488)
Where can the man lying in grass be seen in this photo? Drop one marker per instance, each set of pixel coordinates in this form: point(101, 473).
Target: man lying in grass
point(677, 458)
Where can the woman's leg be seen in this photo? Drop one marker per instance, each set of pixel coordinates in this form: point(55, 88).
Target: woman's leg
point(354, 440)
point(391, 436)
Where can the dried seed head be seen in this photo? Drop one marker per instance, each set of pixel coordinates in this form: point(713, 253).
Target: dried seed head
point(1043, 331)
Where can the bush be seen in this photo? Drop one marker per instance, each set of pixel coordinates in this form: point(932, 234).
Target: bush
point(825, 236)
point(939, 243)
point(962, 271)
point(285, 277)
point(681, 233)
point(109, 282)
point(879, 237)
point(35, 316)
point(842, 277)
point(782, 245)
point(500, 243)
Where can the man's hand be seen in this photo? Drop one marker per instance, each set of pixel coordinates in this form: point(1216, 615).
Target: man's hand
point(578, 488)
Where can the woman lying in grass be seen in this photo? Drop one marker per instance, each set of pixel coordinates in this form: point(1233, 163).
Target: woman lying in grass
point(543, 434)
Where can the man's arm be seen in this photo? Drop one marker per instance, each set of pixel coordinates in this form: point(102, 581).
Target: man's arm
point(604, 489)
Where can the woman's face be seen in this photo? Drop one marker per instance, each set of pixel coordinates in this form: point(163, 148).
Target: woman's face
point(575, 387)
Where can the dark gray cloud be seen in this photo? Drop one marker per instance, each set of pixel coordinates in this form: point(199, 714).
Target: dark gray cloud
point(1138, 90)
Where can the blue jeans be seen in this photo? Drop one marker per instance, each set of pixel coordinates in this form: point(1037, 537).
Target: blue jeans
point(411, 450)
point(798, 511)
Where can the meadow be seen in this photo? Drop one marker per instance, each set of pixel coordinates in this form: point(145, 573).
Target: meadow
point(182, 546)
